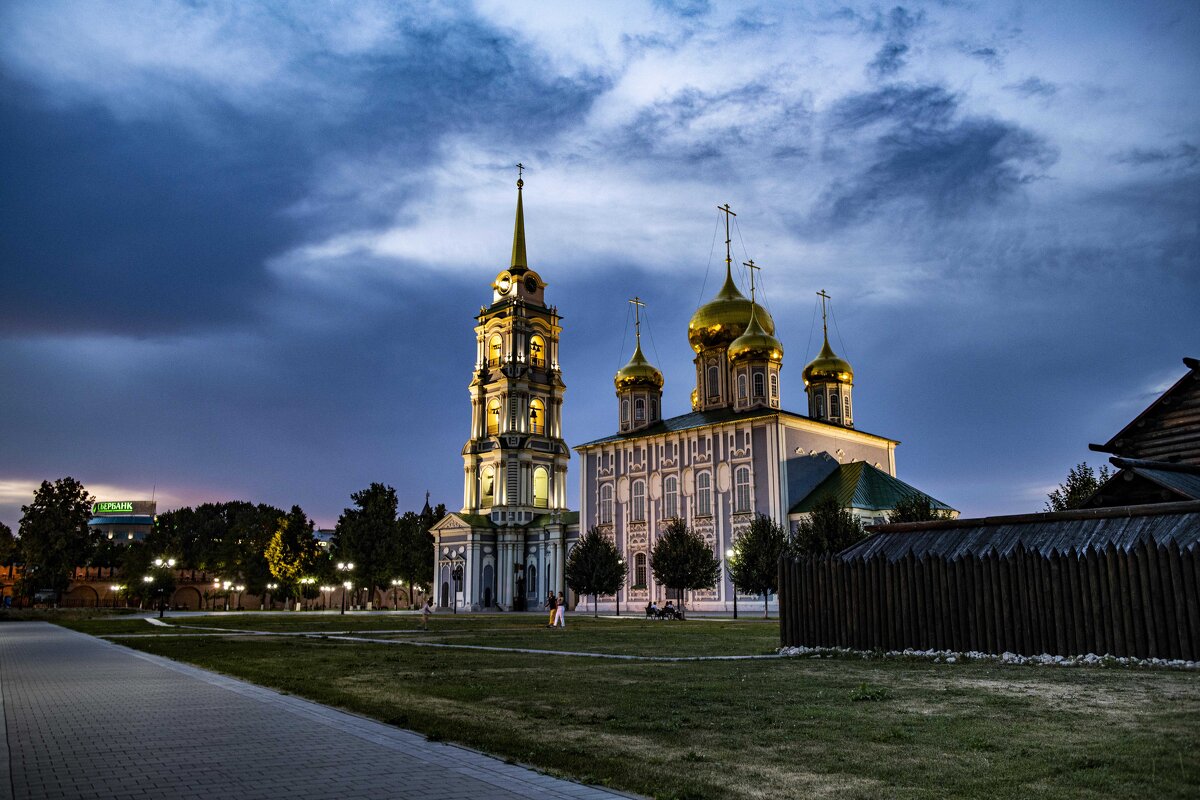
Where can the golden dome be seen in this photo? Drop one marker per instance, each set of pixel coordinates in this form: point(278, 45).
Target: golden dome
point(725, 317)
point(756, 343)
point(638, 372)
point(828, 366)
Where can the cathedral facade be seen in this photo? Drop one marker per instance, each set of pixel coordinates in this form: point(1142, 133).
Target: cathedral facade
point(737, 454)
point(505, 549)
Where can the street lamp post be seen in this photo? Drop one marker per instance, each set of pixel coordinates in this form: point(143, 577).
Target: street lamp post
point(396, 582)
point(115, 589)
point(345, 567)
point(458, 576)
point(326, 590)
point(271, 587)
point(226, 586)
point(728, 556)
point(620, 561)
point(307, 581)
point(239, 589)
point(163, 564)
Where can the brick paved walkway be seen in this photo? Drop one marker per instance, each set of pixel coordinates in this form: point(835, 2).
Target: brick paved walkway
point(88, 718)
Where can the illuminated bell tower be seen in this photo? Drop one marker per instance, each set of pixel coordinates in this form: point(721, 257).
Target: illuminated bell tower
point(515, 463)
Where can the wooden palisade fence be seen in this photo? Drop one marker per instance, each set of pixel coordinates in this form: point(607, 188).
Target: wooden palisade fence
point(1141, 602)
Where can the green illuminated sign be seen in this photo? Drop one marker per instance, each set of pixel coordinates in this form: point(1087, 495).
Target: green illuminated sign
point(113, 506)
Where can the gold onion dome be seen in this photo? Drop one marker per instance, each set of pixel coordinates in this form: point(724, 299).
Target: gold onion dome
point(828, 366)
point(638, 372)
point(756, 343)
point(725, 318)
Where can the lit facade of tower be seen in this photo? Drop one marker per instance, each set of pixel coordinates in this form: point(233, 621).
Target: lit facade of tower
point(505, 548)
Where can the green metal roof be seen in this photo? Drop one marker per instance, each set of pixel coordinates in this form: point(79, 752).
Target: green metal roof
point(860, 485)
point(699, 419)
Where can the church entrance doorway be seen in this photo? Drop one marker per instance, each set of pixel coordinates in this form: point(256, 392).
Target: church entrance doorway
point(488, 572)
point(445, 594)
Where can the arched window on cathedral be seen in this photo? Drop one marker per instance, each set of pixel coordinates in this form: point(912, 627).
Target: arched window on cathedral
point(639, 410)
point(541, 488)
point(637, 511)
point(487, 487)
point(537, 416)
point(835, 405)
point(820, 405)
point(639, 570)
point(495, 347)
point(537, 351)
point(741, 483)
point(742, 386)
point(703, 494)
point(670, 497)
point(714, 385)
point(653, 409)
point(624, 411)
point(846, 400)
point(493, 416)
point(774, 386)
point(606, 504)
point(759, 388)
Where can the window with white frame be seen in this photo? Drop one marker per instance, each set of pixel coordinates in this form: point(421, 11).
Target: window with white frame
point(742, 386)
point(670, 497)
point(703, 494)
point(639, 569)
point(834, 405)
point(639, 409)
point(759, 389)
point(606, 504)
point(638, 505)
point(774, 386)
point(741, 484)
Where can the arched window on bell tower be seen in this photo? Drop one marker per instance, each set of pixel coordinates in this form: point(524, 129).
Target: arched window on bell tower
point(537, 416)
point(495, 350)
point(537, 352)
point(487, 487)
point(541, 488)
point(493, 416)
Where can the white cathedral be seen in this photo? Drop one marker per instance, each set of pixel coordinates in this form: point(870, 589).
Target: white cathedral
point(737, 454)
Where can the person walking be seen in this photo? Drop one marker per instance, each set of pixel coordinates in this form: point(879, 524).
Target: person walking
point(426, 611)
point(552, 606)
point(560, 619)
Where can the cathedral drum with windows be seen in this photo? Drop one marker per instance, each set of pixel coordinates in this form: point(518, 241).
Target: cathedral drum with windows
point(737, 454)
point(505, 548)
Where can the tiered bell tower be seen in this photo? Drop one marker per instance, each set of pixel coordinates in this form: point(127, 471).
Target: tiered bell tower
point(515, 463)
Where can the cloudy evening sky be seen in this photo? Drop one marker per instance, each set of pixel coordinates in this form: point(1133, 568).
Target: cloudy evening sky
point(241, 245)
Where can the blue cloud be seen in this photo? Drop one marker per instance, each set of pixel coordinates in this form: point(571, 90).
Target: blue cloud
point(1033, 87)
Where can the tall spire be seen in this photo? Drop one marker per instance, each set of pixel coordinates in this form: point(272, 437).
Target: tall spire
point(519, 261)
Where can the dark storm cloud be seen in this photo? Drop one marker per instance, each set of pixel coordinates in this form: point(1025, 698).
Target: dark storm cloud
point(1184, 155)
point(898, 24)
point(165, 222)
point(909, 143)
point(1033, 87)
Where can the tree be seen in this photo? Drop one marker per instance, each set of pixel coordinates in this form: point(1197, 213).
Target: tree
point(755, 563)
point(1081, 483)
point(54, 535)
point(292, 552)
point(414, 556)
point(682, 560)
point(594, 567)
point(829, 528)
point(917, 508)
point(369, 535)
point(8, 546)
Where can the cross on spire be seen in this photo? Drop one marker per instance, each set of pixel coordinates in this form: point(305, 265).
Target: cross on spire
point(824, 326)
point(520, 174)
point(637, 304)
point(750, 265)
point(728, 254)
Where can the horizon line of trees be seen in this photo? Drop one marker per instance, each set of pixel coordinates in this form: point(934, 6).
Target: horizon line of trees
point(245, 544)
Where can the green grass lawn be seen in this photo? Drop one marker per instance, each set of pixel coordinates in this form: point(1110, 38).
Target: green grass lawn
point(755, 729)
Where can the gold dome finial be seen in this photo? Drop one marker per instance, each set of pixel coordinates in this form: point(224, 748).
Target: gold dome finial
point(755, 341)
point(639, 371)
point(722, 319)
point(519, 261)
point(827, 366)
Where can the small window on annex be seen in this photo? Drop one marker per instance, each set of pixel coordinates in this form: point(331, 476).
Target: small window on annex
point(541, 488)
point(606, 504)
point(704, 494)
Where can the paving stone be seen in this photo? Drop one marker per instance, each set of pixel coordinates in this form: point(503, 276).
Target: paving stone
point(87, 718)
